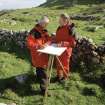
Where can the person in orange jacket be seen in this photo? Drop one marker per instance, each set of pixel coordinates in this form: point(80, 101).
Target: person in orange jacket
point(38, 38)
point(65, 37)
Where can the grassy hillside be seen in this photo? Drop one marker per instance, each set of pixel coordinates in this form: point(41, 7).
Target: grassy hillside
point(77, 91)
point(25, 19)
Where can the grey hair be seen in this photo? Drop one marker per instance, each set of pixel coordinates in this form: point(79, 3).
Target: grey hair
point(44, 19)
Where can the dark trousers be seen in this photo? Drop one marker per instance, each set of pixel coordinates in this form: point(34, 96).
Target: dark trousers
point(42, 78)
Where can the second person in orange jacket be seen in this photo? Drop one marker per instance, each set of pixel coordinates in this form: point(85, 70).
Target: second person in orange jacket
point(65, 37)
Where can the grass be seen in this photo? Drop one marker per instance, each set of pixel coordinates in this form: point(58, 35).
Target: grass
point(11, 65)
point(77, 91)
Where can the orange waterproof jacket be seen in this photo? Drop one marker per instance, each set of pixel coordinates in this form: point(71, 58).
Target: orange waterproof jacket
point(37, 38)
point(66, 37)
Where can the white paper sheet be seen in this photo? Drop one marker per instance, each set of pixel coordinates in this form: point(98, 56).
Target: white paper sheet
point(52, 50)
point(2, 104)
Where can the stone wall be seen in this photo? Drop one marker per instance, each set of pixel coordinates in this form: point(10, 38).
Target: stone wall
point(88, 58)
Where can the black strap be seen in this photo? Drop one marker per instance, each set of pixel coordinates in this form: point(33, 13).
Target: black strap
point(72, 30)
point(35, 33)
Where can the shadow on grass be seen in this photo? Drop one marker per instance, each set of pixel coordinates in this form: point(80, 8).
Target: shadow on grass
point(20, 89)
point(103, 39)
point(22, 53)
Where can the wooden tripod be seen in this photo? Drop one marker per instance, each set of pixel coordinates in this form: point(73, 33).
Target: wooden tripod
point(49, 72)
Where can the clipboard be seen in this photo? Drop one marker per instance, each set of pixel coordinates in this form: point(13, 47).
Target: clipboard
point(53, 50)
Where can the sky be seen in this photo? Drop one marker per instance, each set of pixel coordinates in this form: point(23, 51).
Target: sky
point(17, 4)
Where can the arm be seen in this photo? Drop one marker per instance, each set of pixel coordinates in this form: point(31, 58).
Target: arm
point(31, 43)
point(48, 38)
point(34, 39)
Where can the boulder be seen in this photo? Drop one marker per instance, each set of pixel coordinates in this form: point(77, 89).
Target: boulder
point(85, 17)
point(94, 28)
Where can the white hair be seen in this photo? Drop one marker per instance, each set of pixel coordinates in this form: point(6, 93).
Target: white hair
point(44, 19)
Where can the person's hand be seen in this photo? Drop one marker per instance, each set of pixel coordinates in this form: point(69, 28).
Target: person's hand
point(59, 45)
point(43, 46)
point(53, 34)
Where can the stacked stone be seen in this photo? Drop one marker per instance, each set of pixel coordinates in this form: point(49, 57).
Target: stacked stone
point(85, 17)
point(5, 38)
point(86, 51)
point(101, 51)
point(19, 38)
point(13, 39)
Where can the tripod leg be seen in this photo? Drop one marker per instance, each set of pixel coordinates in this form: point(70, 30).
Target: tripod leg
point(49, 71)
point(62, 66)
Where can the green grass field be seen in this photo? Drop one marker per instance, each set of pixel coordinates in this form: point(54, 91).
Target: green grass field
point(77, 91)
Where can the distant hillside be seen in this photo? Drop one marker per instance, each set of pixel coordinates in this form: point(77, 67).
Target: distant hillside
point(68, 3)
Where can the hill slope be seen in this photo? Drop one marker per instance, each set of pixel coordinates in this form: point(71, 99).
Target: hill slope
point(25, 19)
point(69, 3)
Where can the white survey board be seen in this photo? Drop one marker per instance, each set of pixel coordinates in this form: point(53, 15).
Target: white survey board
point(2, 104)
point(52, 50)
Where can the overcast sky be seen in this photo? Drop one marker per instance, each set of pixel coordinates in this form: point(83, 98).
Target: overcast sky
point(14, 4)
